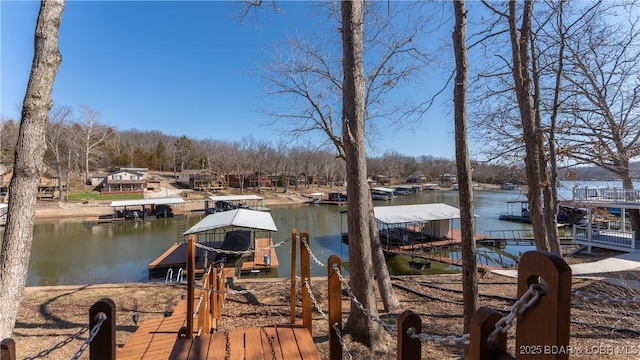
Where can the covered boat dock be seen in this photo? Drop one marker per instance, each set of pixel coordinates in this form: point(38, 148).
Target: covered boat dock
point(231, 232)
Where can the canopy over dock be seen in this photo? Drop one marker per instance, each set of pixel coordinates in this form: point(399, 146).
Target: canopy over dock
point(415, 213)
point(259, 220)
point(143, 202)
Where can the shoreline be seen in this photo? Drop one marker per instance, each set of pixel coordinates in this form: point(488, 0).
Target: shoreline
point(194, 202)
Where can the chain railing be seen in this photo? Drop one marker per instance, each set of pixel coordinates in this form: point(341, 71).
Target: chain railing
point(311, 254)
point(601, 299)
point(101, 317)
point(241, 252)
point(101, 339)
point(526, 301)
point(59, 345)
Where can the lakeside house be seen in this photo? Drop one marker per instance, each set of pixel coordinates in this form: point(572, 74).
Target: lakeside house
point(48, 187)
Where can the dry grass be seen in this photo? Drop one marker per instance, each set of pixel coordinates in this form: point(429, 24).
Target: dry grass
point(49, 316)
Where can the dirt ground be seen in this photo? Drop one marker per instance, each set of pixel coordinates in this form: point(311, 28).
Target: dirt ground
point(49, 316)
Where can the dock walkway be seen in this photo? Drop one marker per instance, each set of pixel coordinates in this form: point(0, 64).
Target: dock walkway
point(158, 339)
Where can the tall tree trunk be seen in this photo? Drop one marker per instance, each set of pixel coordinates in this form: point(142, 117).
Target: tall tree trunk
point(359, 210)
point(463, 164)
point(522, 85)
point(389, 300)
point(549, 193)
point(28, 166)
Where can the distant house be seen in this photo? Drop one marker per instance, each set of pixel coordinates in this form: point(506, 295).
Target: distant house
point(48, 187)
point(98, 178)
point(417, 178)
point(205, 180)
point(143, 171)
point(449, 178)
point(124, 181)
point(382, 179)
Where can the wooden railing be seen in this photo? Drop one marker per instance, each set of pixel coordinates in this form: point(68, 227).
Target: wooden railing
point(305, 274)
point(213, 293)
point(542, 330)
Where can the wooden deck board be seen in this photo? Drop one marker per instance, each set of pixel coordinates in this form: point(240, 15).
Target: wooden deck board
point(306, 346)
point(288, 343)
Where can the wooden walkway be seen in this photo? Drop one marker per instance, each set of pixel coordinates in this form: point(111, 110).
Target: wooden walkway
point(284, 342)
point(154, 339)
point(158, 339)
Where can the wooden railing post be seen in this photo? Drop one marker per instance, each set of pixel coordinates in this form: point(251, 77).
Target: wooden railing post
point(8, 349)
point(482, 325)
point(305, 274)
point(294, 271)
point(103, 345)
point(408, 347)
point(213, 292)
point(335, 307)
point(543, 330)
point(204, 318)
point(191, 279)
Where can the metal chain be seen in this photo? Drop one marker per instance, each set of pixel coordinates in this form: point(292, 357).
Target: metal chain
point(313, 256)
point(273, 350)
point(227, 349)
point(345, 284)
point(527, 300)
point(59, 345)
point(195, 312)
point(245, 252)
point(341, 340)
point(605, 300)
point(450, 340)
point(314, 301)
point(101, 317)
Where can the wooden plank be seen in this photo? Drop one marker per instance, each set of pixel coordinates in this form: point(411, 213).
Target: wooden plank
point(307, 348)
point(181, 349)
point(288, 343)
point(200, 347)
point(167, 258)
point(270, 343)
point(218, 346)
point(236, 344)
point(253, 345)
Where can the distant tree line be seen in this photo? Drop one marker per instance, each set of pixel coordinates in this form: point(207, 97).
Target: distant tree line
point(79, 144)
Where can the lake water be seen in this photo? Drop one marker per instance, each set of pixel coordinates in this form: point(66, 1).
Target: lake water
point(68, 252)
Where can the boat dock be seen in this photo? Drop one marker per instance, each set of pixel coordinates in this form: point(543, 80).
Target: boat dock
point(175, 258)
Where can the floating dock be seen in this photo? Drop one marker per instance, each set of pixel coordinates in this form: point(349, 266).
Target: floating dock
point(175, 258)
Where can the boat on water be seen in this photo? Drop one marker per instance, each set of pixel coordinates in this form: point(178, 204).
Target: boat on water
point(518, 211)
point(510, 187)
point(382, 193)
point(220, 203)
point(141, 209)
point(240, 239)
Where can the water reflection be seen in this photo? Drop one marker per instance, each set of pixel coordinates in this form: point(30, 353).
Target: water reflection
point(68, 252)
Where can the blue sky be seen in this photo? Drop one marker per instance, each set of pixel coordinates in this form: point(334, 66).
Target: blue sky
point(182, 68)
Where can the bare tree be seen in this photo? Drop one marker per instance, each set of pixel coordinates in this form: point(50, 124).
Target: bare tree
point(30, 148)
point(465, 190)
point(359, 203)
point(58, 139)
point(91, 134)
point(602, 103)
